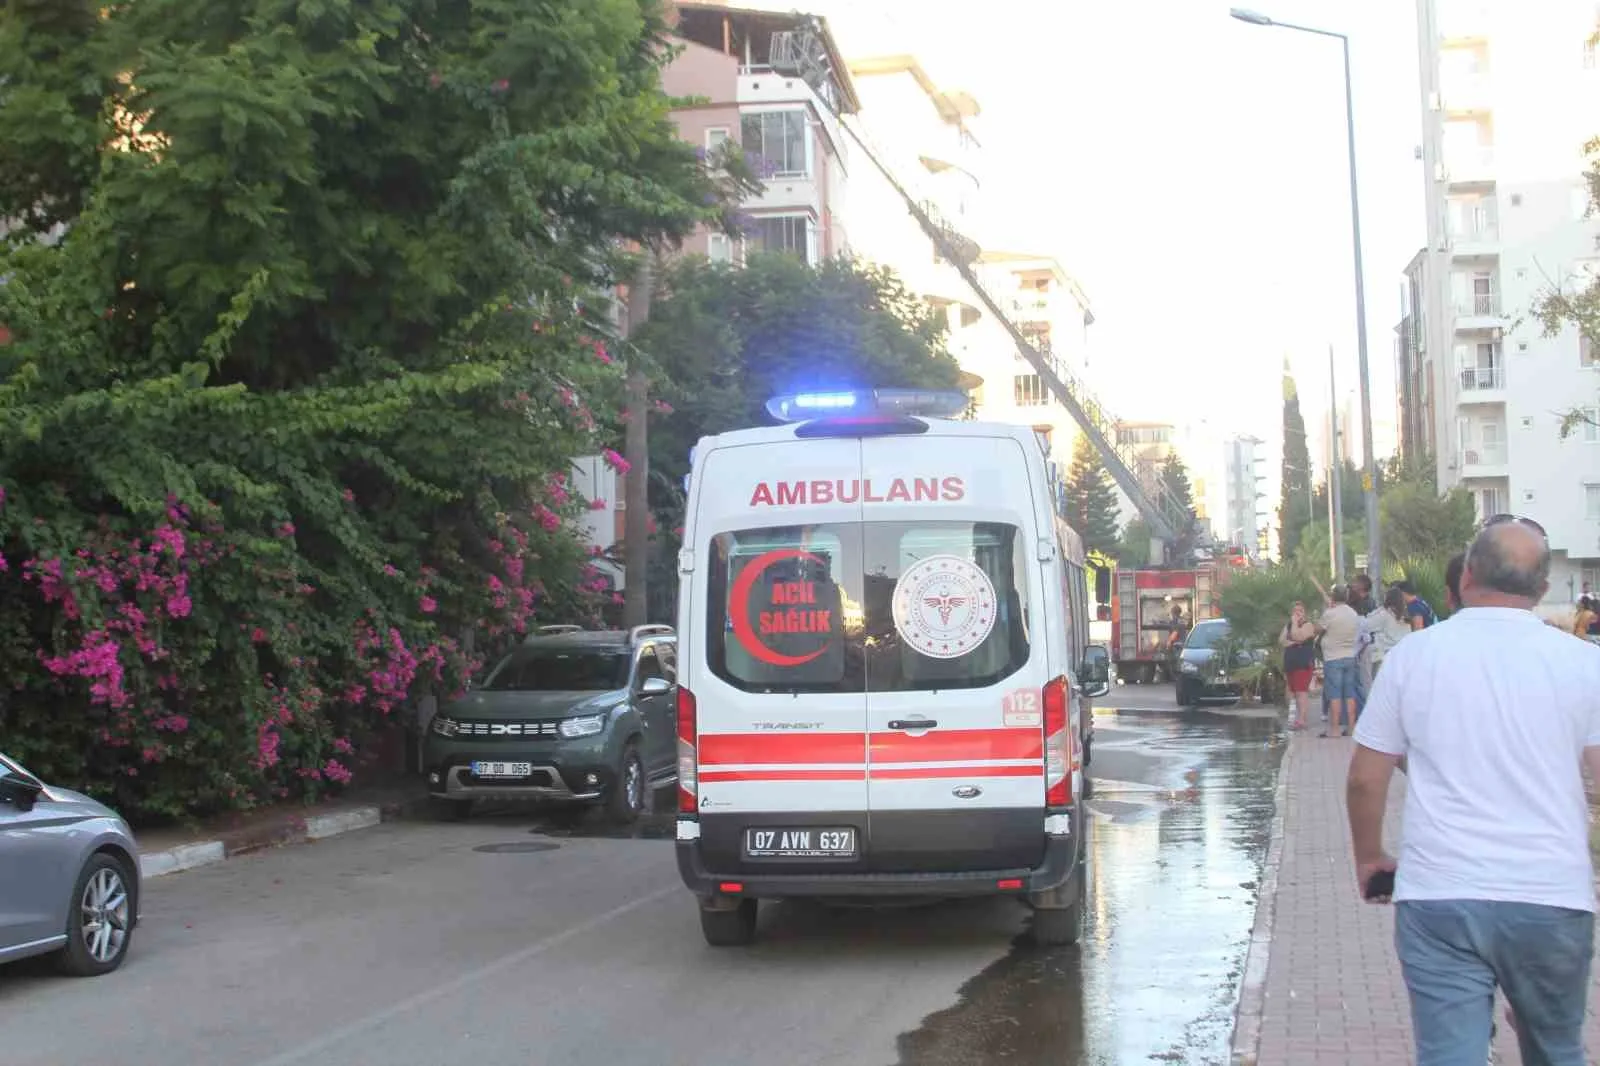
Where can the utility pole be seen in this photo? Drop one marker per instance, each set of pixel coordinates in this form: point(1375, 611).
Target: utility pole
point(636, 448)
point(1335, 477)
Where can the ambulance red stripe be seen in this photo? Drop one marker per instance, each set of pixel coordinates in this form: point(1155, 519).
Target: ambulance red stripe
point(945, 745)
point(736, 749)
point(898, 773)
point(783, 775)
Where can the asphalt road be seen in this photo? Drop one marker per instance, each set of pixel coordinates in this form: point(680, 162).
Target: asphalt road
point(519, 939)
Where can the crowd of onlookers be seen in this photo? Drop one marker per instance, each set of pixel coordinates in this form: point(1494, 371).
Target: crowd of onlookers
point(1350, 638)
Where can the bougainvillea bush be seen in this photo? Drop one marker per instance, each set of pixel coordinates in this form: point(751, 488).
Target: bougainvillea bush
point(303, 336)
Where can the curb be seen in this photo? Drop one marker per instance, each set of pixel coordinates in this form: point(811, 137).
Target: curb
point(295, 829)
point(1253, 984)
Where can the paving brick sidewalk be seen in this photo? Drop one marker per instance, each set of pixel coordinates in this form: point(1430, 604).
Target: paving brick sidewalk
point(1331, 991)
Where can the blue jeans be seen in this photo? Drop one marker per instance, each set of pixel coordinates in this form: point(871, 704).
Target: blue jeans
point(1454, 952)
point(1340, 679)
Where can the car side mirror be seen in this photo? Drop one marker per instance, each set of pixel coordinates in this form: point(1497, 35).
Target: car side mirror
point(655, 686)
point(20, 792)
point(1097, 689)
point(1095, 669)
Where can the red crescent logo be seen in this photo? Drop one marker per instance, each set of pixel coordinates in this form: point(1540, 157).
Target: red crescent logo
point(739, 607)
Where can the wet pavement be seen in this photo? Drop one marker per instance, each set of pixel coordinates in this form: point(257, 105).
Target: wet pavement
point(1183, 808)
point(524, 937)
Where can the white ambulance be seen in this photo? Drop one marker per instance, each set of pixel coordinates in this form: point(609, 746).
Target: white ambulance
point(882, 664)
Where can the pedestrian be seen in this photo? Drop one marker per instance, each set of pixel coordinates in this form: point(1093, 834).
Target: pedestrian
point(1299, 640)
point(1340, 627)
point(1417, 609)
point(1361, 599)
point(1366, 607)
point(1387, 625)
point(1584, 617)
point(1493, 717)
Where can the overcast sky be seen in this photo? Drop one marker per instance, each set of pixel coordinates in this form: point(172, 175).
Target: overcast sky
point(1190, 170)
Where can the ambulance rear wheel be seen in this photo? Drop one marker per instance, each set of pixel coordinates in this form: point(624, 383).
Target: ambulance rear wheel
point(735, 928)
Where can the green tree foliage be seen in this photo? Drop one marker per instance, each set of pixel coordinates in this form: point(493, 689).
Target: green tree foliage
point(724, 340)
point(1293, 509)
point(1134, 547)
point(1175, 477)
point(1572, 302)
point(1091, 498)
point(1419, 523)
point(284, 424)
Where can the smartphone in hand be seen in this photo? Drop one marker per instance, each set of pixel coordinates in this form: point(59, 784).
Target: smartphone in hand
point(1380, 885)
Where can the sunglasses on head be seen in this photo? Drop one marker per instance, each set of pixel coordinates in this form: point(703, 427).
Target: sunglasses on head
point(1501, 519)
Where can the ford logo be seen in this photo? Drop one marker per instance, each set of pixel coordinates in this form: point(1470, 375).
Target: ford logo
point(966, 792)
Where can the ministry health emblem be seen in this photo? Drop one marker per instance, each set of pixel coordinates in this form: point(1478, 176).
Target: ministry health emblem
point(944, 606)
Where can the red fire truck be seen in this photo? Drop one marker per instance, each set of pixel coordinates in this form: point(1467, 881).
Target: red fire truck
point(1153, 610)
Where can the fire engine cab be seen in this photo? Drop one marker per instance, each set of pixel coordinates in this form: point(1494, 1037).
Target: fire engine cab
point(883, 664)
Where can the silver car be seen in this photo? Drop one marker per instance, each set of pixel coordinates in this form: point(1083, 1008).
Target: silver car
point(69, 876)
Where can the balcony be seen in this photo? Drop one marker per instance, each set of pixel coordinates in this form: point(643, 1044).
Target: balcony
point(1468, 94)
point(1483, 459)
point(1475, 237)
point(1478, 379)
point(1480, 310)
point(1033, 308)
point(1462, 22)
point(1471, 165)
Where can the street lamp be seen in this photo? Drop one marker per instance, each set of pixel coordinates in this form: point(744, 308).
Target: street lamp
point(1369, 478)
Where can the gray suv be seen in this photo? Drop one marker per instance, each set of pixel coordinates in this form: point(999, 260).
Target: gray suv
point(69, 876)
point(571, 716)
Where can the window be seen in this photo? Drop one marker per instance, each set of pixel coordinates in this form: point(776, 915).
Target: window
point(845, 608)
point(1591, 502)
point(1591, 425)
point(1028, 390)
point(716, 137)
point(780, 233)
point(779, 139)
point(553, 670)
point(719, 249)
point(1588, 351)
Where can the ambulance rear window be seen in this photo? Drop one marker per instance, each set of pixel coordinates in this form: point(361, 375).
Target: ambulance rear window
point(868, 607)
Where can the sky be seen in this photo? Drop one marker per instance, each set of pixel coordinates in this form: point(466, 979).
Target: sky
point(1191, 171)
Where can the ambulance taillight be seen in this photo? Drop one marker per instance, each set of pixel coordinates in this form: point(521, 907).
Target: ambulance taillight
point(1057, 745)
point(688, 757)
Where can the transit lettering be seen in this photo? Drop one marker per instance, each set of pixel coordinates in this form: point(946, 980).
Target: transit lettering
point(820, 492)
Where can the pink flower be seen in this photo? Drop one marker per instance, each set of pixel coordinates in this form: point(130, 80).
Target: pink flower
point(663, 406)
point(597, 505)
point(258, 635)
point(349, 495)
point(616, 597)
point(390, 571)
point(179, 606)
point(2, 495)
point(502, 85)
point(428, 604)
point(4, 566)
point(172, 723)
point(286, 529)
point(335, 771)
point(616, 461)
point(343, 746)
point(601, 354)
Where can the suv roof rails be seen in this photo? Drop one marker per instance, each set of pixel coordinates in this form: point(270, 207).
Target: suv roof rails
point(638, 632)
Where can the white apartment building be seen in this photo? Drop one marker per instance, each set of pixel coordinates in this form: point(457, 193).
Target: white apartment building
point(1244, 519)
point(1510, 94)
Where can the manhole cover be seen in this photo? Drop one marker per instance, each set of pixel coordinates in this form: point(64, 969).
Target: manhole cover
point(515, 848)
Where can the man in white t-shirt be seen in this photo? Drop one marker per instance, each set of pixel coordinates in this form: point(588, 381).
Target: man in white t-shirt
point(1494, 714)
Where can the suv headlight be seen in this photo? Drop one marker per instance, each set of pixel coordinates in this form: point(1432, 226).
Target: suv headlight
point(1187, 667)
point(445, 727)
point(587, 726)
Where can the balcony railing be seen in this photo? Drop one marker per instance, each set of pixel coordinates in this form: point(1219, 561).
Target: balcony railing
point(1031, 308)
point(1483, 377)
point(1476, 232)
point(1474, 163)
point(1483, 455)
point(1479, 305)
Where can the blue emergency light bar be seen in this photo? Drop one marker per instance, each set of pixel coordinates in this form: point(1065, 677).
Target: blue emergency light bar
point(867, 403)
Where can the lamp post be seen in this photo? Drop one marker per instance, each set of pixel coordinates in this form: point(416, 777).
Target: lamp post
point(1369, 476)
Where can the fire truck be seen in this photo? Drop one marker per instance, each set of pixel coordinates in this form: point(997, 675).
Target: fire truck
point(1154, 608)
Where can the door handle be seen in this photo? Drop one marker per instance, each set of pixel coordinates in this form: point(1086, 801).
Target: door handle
point(917, 724)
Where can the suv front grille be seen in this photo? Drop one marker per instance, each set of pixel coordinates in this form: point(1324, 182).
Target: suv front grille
point(489, 730)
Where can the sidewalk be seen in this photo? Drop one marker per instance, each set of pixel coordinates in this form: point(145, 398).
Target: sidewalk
point(1328, 989)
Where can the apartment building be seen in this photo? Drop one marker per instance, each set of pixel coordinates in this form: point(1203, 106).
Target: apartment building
point(1244, 518)
point(1510, 93)
point(775, 84)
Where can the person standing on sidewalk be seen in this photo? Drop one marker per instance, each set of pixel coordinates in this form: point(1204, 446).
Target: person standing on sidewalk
point(1340, 627)
point(1298, 640)
point(1386, 626)
point(1493, 716)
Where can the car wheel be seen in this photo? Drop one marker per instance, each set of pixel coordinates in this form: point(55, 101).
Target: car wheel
point(630, 791)
point(99, 919)
point(449, 810)
point(734, 928)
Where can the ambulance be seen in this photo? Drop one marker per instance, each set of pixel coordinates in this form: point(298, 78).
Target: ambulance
point(883, 665)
